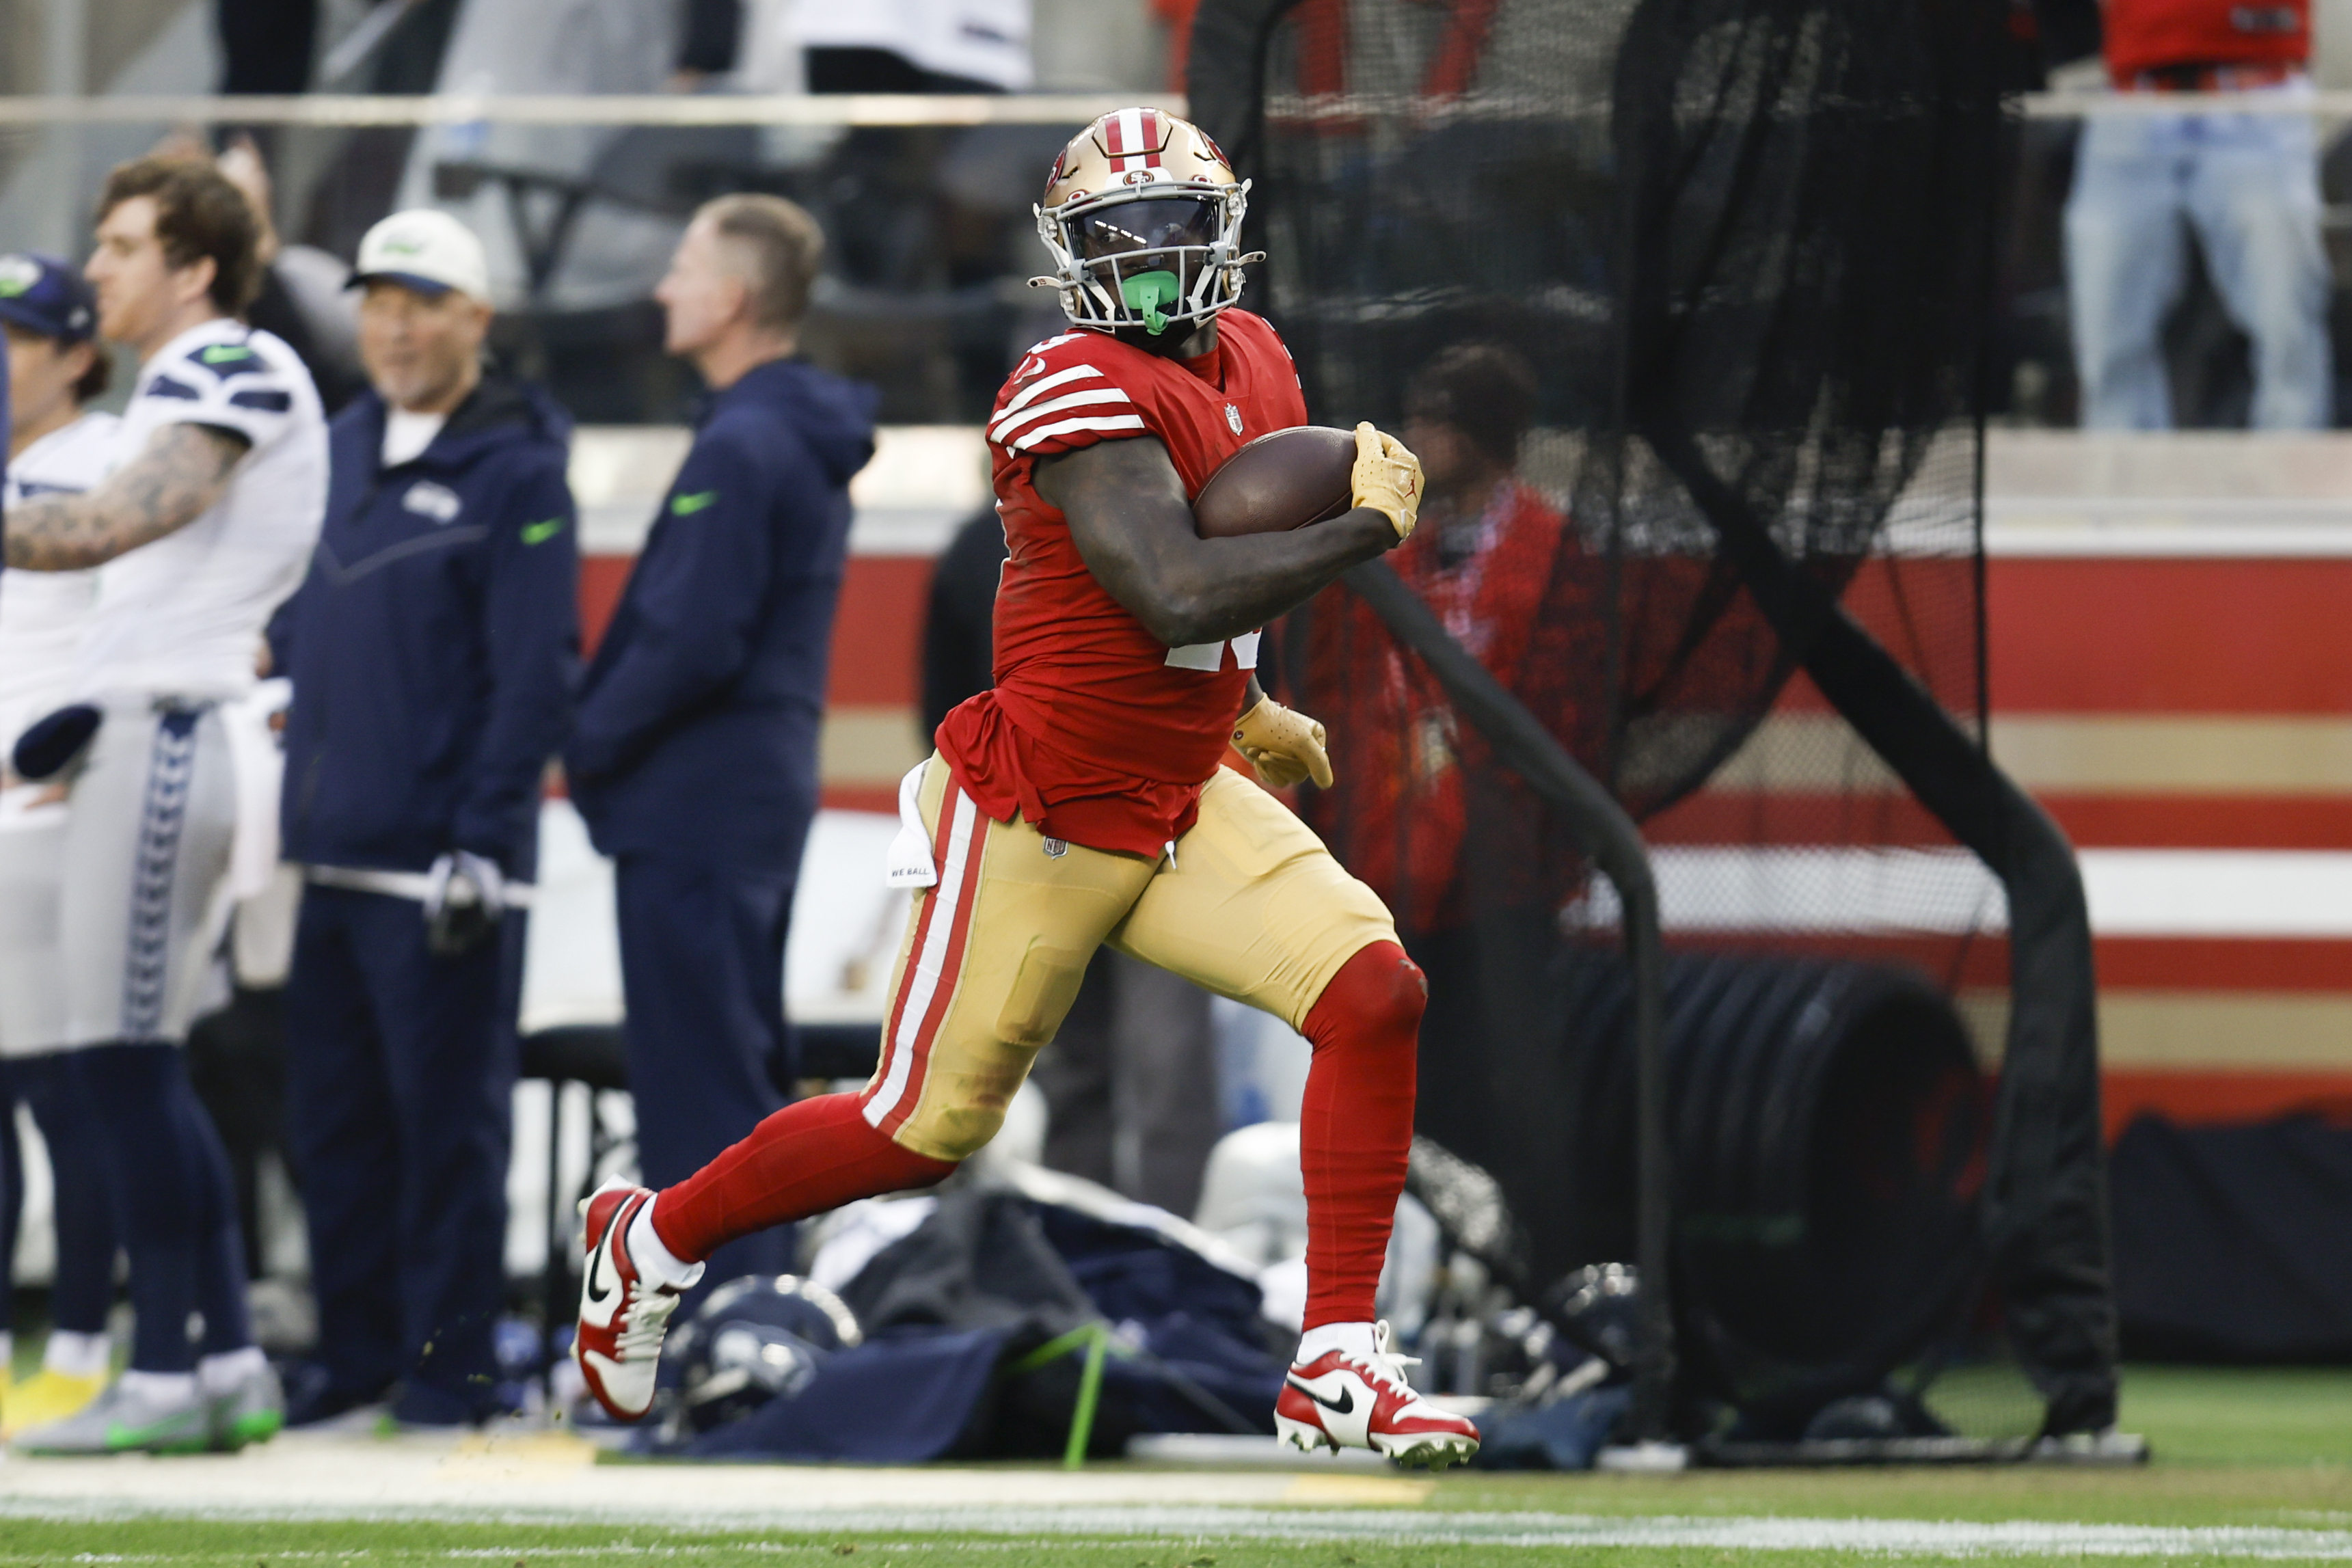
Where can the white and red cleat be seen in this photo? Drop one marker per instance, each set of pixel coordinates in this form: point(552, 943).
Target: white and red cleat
point(623, 1316)
point(1341, 1401)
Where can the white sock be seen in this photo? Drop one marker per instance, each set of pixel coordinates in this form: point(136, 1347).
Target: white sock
point(77, 1355)
point(1348, 1338)
point(7, 1354)
point(655, 1263)
point(218, 1374)
point(161, 1387)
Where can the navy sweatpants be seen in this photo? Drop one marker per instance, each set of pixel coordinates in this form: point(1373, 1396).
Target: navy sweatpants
point(702, 964)
point(400, 1087)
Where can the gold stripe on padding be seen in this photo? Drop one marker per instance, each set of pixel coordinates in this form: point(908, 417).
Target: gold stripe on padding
point(2215, 754)
point(2225, 1029)
point(869, 745)
point(2073, 754)
point(2221, 1030)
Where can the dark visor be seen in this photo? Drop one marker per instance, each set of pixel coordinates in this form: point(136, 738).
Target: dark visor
point(1148, 224)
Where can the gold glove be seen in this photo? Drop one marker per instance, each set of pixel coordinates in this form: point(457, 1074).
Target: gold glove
point(1284, 746)
point(1387, 478)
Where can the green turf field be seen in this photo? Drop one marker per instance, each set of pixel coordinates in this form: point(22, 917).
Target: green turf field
point(2252, 1466)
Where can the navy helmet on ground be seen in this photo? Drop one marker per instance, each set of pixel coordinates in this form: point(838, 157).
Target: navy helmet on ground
point(754, 1339)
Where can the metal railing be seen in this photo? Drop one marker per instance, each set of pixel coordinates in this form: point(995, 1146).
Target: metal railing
point(579, 108)
point(352, 110)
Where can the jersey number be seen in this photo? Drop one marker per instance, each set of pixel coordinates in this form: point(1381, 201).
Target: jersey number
point(1211, 656)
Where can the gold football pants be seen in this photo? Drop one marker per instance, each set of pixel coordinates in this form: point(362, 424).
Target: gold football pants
point(1250, 906)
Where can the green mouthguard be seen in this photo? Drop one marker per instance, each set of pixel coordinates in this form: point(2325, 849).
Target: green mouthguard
point(1148, 293)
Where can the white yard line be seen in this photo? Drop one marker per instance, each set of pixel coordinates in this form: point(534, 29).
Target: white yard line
point(551, 1479)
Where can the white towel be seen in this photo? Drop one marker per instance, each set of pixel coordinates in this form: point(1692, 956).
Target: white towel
point(260, 763)
point(908, 861)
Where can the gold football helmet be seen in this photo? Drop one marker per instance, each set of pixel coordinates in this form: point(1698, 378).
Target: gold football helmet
point(1142, 214)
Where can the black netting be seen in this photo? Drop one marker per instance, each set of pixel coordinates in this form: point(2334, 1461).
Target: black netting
point(1679, 301)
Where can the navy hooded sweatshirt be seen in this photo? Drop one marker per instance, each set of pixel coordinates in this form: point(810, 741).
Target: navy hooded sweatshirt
point(697, 730)
point(435, 643)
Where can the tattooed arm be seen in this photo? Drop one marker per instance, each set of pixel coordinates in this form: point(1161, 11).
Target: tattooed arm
point(182, 471)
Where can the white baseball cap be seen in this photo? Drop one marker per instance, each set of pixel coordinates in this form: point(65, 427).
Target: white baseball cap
point(426, 249)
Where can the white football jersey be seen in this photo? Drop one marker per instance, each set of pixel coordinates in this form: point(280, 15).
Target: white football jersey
point(44, 614)
point(183, 617)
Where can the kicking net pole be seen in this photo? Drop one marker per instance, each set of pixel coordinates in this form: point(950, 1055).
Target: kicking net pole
point(1603, 830)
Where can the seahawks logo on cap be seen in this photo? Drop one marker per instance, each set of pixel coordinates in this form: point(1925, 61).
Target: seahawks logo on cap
point(17, 274)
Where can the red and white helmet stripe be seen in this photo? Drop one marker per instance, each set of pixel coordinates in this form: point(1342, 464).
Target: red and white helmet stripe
point(1133, 138)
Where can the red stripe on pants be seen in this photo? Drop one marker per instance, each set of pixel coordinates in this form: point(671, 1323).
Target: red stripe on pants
point(939, 834)
point(951, 969)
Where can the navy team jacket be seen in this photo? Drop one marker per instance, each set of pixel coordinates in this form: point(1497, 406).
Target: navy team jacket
point(697, 732)
point(435, 643)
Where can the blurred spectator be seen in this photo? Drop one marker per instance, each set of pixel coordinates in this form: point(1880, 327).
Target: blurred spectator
point(1473, 867)
point(301, 298)
point(1131, 1079)
point(1483, 558)
point(694, 757)
point(1176, 16)
point(915, 46)
point(710, 34)
point(266, 44)
point(959, 632)
point(396, 50)
point(2247, 183)
point(57, 445)
point(432, 649)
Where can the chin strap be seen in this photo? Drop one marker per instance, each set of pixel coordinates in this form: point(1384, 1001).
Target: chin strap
point(1147, 292)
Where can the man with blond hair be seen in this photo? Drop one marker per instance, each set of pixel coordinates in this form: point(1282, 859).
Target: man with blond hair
point(694, 758)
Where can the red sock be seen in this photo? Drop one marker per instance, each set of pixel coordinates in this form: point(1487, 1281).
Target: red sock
point(811, 1156)
point(1356, 1126)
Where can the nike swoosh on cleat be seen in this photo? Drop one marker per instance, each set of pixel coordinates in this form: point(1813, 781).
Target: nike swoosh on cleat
point(1343, 1406)
point(595, 1264)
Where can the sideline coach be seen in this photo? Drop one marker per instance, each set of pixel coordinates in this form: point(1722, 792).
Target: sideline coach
point(694, 759)
point(433, 648)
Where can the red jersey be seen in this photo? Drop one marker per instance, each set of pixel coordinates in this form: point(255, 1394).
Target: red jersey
point(1096, 732)
point(2150, 35)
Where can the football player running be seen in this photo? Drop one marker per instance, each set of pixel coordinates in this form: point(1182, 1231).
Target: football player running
point(1081, 801)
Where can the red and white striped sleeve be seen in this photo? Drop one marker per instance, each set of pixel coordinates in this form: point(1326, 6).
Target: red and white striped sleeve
point(1061, 399)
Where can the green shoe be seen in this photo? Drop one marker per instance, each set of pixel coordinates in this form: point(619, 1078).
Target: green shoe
point(252, 1412)
point(127, 1419)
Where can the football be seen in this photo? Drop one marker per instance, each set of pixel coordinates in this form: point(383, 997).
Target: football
point(1278, 482)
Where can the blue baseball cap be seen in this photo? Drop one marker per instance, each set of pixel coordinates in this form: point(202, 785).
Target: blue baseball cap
point(45, 295)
